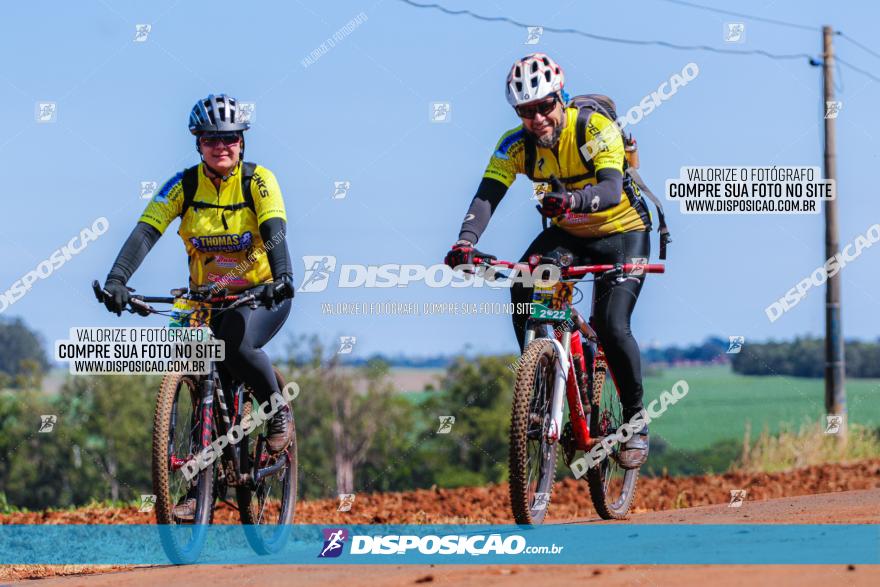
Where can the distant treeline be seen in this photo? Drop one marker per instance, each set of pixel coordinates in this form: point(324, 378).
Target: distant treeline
point(802, 357)
point(805, 357)
point(711, 350)
point(435, 362)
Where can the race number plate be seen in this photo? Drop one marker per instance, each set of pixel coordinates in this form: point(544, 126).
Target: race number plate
point(542, 312)
point(553, 302)
point(189, 314)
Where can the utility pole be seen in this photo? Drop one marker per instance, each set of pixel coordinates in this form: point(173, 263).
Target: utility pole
point(835, 391)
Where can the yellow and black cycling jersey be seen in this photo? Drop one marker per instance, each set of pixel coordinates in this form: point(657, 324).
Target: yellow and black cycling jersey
point(509, 159)
point(224, 246)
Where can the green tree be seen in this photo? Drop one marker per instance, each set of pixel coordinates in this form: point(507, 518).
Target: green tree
point(350, 423)
point(99, 447)
point(114, 415)
point(22, 357)
point(477, 392)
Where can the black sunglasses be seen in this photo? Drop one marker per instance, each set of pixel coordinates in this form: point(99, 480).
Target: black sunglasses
point(215, 140)
point(529, 111)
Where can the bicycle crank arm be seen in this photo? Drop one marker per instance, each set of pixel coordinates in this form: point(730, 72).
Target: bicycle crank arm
point(271, 469)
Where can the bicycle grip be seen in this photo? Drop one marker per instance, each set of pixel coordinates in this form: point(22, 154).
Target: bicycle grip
point(99, 291)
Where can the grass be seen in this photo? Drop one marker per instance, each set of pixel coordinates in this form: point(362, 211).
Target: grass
point(722, 405)
point(808, 446)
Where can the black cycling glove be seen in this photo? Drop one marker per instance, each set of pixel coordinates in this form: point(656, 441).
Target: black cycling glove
point(279, 290)
point(463, 253)
point(118, 297)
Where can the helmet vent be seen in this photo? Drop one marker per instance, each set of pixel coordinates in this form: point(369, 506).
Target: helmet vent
point(533, 77)
point(216, 114)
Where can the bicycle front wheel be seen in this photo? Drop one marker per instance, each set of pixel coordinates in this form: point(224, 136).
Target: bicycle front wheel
point(612, 488)
point(532, 458)
point(177, 427)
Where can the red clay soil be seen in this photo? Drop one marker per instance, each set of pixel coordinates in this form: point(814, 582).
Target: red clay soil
point(855, 506)
point(570, 499)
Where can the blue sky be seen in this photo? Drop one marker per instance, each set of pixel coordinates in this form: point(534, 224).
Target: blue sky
point(360, 113)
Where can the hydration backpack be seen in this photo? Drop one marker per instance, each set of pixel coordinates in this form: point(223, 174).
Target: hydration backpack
point(586, 105)
point(190, 184)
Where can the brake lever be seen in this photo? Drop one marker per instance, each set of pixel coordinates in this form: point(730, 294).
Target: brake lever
point(140, 307)
point(248, 299)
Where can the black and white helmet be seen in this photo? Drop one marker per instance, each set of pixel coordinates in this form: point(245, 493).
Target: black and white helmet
point(216, 114)
point(533, 77)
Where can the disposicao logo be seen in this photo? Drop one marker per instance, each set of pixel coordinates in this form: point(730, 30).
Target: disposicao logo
point(334, 540)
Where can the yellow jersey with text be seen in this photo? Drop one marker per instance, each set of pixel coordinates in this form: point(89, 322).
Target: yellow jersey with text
point(224, 246)
point(509, 159)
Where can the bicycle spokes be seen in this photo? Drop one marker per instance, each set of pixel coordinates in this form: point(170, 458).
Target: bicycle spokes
point(183, 438)
point(612, 488)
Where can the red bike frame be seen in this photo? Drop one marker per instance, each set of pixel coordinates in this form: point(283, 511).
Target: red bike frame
point(575, 347)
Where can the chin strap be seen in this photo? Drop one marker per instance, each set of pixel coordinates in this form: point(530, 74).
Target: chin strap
point(216, 173)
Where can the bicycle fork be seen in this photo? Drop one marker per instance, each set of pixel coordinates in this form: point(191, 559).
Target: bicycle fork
point(560, 383)
point(560, 378)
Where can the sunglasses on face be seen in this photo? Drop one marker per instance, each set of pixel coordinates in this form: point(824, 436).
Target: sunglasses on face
point(227, 140)
point(544, 108)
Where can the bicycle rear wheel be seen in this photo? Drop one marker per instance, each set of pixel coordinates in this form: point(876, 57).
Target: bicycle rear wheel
point(532, 458)
point(176, 439)
point(612, 488)
point(267, 507)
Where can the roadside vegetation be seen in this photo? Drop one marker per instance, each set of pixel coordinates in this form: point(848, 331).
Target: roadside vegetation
point(358, 434)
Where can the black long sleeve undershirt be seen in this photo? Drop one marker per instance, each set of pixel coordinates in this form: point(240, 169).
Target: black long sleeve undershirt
point(274, 231)
point(487, 198)
point(601, 196)
point(592, 198)
point(136, 247)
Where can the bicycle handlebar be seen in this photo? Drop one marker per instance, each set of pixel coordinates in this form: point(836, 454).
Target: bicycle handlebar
point(141, 303)
point(580, 270)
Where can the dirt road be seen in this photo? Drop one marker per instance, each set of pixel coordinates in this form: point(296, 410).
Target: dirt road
point(860, 507)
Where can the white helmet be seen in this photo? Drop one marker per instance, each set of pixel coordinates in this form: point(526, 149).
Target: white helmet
point(533, 77)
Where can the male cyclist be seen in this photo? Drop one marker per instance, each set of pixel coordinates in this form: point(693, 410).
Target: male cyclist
point(234, 241)
point(592, 215)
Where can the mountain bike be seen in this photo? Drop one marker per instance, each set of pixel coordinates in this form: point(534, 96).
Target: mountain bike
point(192, 411)
point(563, 362)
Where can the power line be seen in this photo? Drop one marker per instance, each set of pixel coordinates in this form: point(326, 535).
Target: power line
point(838, 85)
point(859, 45)
point(596, 37)
point(858, 69)
point(812, 60)
point(793, 25)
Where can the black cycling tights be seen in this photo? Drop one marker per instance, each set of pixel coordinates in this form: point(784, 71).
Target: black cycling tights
point(614, 302)
point(245, 330)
